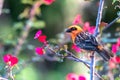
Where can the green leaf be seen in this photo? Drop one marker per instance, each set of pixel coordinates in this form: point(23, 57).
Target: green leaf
point(27, 1)
point(114, 1)
point(18, 25)
point(38, 24)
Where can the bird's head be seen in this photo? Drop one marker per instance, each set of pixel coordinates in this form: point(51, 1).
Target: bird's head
point(74, 30)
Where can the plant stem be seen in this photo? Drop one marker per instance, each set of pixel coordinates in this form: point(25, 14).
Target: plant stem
point(99, 16)
point(26, 29)
point(92, 65)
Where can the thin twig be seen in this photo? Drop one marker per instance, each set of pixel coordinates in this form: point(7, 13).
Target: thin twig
point(92, 66)
point(99, 16)
point(74, 58)
point(27, 28)
point(111, 23)
point(79, 60)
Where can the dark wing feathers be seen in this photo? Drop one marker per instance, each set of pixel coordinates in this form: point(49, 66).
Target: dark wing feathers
point(86, 41)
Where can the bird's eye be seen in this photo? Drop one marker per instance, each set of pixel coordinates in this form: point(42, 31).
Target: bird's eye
point(73, 28)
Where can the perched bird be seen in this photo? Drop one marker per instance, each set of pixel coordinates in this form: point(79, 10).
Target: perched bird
point(87, 41)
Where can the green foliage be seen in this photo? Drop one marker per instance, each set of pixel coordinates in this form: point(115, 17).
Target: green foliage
point(18, 25)
point(38, 24)
point(117, 78)
point(29, 73)
point(114, 1)
point(27, 1)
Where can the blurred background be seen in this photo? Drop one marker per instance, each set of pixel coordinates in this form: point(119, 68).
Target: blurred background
point(52, 20)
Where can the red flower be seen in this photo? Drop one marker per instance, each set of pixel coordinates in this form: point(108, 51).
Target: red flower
point(42, 38)
point(117, 59)
point(81, 77)
point(72, 76)
point(77, 20)
point(48, 2)
point(91, 29)
point(10, 59)
point(39, 50)
point(38, 33)
point(114, 48)
point(77, 49)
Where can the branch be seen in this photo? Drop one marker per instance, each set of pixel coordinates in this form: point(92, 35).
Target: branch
point(92, 66)
point(111, 23)
point(74, 58)
point(99, 16)
point(96, 32)
point(71, 56)
point(27, 28)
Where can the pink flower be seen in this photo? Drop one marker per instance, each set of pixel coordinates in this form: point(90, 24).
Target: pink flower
point(39, 50)
point(77, 49)
point(91, 29)
point(112, 64)
point(42, 38)
point(48, 2)
point(38, 33)
point(117, 59)
point(72, 76)
point(118, 42)
point(81, 77)
point(77, 20)
point(86, 26)
point(114, 48)
point(6, 58)
point(10, 59)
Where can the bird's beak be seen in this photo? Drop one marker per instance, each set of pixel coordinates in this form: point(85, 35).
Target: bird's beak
point(68, 30)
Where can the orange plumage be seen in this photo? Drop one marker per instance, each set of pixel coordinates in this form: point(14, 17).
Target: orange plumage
point(87, 41)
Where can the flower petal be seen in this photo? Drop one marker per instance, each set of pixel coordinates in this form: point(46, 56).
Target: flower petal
point(114, 48)
point(39, 50)
point(48, 2)
point(6, 58)
point(77, 20)
point(13, 60)
point(118, 42)
point(38, 33)
point(42, 38)
point(117, 58)
point(86, 26)
point(77, 49)
point(72, 76)
point(81, 77)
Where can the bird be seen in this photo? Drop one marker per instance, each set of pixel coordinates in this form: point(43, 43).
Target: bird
point(87, 41)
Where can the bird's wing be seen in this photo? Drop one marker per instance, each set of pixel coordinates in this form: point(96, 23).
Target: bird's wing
point(86, 41)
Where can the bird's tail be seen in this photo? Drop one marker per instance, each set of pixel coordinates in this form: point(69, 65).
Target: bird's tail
point(104, 53)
